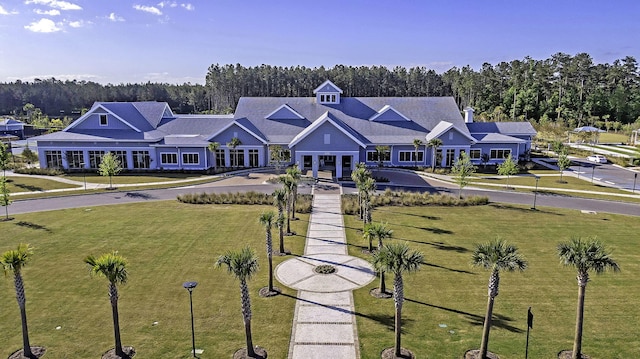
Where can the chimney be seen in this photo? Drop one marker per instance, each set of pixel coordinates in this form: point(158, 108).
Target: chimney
point(468, 115)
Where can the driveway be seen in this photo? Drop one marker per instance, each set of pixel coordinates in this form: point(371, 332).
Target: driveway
point(608, 174)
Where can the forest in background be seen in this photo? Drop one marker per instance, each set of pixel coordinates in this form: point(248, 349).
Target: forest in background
point(563, 90)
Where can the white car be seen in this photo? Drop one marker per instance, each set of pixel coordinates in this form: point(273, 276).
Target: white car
point(597, 159)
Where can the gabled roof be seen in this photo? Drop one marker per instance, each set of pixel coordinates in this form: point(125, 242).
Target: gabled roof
point(388, 113)
point(243, 124)
point(139, 116)
point(284, 112)
point(327, 86)
point(326, 117)
point(10, 121)
point(505, 128)
point(442, 128)
point(497, 138)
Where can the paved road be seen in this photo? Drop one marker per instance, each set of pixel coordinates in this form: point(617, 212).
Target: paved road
point(607, 173)
point(406, 181)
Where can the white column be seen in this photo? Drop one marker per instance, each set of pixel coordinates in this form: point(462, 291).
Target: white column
point(314, 165)
point(338, 166)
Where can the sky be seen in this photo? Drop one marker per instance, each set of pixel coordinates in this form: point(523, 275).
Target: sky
point(120, 41)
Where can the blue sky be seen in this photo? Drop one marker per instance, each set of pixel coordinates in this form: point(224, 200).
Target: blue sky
point(122, 41)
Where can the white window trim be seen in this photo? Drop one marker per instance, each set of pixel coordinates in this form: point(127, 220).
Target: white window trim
point(106, 118)
point(411, 153)
point(327, 138)
point(499, 149)
point(190, 163)
point(169, 153)
point(474, 150)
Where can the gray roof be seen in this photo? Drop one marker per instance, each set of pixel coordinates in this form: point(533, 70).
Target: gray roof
point(505, 128)
point(496, 138)
point(354, 112)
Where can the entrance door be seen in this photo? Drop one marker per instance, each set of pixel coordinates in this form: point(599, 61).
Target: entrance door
point(346, 166)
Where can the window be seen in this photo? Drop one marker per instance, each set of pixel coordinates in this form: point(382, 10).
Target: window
point(237, 158)
point(54, 159)
point(500, 154)
point(169, 158)
point(475, 154)
point(450, 135)
point(141, 159)
point(219, 158)
point(410, 156)
point(122, 158)
point(75, 159)
point(190, 158)
point(327, 138)
point(253, 158)
point(95, 158)
point(372, 156)
point(322, 98)
point(103, 120)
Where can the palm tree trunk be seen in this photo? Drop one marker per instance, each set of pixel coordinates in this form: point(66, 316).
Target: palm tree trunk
point(487, 328)
point(289, 214)
point(398, 296)
point(270, 259)
point(577, 342)
point(22, 300)
point(246, 315)
point(281, 230)
point(113, 295)
point(293, 204)
point(383, 286)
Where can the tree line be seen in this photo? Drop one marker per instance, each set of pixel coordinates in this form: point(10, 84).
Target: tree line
point(565, 89)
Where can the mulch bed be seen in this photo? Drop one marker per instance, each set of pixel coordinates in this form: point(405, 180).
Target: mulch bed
point(389, 353)
point(37, 352)
point(475, 354)
point(264, 292)
point(375, 292)
point(129, 352)
point(261, 353)
point(567, 354)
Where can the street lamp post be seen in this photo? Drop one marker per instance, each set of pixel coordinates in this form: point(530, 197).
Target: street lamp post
point(84, 175)
point(635, 178)
point(535, 194)
point(593, 172)
point(190, 286)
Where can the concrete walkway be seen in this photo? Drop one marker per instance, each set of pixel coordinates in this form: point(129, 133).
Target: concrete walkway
point(324, 323)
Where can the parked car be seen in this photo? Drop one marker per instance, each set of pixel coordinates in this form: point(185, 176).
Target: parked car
point(597, 159)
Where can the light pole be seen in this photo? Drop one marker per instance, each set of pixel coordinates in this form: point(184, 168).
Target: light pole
point(535, 194)
point(190, 286)
point(635, 178)
point(593, 172)
point(84, 175)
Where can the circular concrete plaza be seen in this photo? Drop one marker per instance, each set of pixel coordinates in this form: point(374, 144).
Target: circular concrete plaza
point(351, 273)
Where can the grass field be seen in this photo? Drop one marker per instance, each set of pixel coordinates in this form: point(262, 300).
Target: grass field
point(125, 178)
point(450, 292)
point(31, 184)
point(166, 243)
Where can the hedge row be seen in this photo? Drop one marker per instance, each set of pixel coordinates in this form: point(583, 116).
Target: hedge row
point(303, 203)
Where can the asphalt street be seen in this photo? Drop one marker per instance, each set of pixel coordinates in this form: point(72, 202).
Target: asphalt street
point(411, 183)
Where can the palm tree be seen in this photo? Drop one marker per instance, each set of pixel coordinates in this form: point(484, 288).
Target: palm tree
point(243, 265)
point(496, 256)
point(368, 187)
point(381, 232)
point(213, 148)
point(233, 144)
point(397, 258)
point(295, 174)
point(434, 144)
point(113, 267)
point(380, 151)
point(416, 145)
point(266, 219)
point(358, 176)
point(13, 261)
point(585, 256)
point(279, 199)
point(287, 185)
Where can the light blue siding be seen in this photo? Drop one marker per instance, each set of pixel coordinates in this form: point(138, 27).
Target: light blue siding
point(92, 122)
point(246, 138)
point(338, 141)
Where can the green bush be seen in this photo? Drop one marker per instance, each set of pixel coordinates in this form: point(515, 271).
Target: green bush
point(410, 199)
point(303, 203)
point(39, 171)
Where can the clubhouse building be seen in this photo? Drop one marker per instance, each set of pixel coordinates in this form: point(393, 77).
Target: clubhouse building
point(323, 132)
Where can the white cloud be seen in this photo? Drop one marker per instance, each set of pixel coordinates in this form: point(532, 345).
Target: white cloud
point(3, 11)
point(188, 6)
point(52, 12)
point(77, 24)
point(44, 25)
point(62, 5)
point(167, 4)
point(115, 18)
point(150, 9)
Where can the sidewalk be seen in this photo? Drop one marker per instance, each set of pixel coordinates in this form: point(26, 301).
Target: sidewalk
point(324, 323)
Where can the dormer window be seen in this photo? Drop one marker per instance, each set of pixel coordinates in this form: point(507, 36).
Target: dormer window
point(103, 120)
point(327, 93)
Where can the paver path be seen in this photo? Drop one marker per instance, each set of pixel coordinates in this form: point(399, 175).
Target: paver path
point(324, 324)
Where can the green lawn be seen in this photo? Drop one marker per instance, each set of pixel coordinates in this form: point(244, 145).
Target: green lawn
point(612, 137)
point(568, 182)
point(449, 291)
point(166, 243)
point(131, 178)
point(31, 184)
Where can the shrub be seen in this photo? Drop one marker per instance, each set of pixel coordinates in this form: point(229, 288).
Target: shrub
point(303, 204)
point(411, 199)
point(39, 171)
